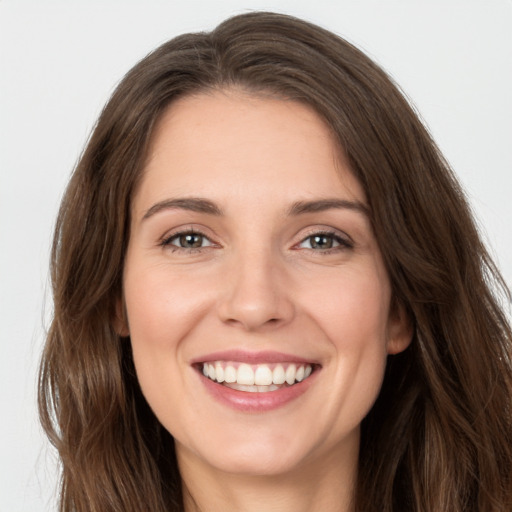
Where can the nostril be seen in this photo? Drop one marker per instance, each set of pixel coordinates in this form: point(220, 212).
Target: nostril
point(254, 307)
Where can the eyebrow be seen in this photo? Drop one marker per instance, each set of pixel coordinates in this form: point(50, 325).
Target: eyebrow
point(200, 205)
point(193, 204)
point(302, 207)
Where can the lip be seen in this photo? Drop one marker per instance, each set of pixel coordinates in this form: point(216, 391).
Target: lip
point(247, 402)
point(260, 357)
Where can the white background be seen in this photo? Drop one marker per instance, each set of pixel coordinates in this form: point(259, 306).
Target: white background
point(59, 62)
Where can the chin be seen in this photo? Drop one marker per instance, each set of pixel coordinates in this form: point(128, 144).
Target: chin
point(258, 452)
point(265, 461)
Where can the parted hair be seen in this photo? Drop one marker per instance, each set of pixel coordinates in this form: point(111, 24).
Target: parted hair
point(439, 437)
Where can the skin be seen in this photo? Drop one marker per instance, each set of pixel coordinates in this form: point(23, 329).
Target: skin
point(257, 282)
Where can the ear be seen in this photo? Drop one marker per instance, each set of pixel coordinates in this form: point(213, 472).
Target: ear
point(400, 329)
point(120, 321)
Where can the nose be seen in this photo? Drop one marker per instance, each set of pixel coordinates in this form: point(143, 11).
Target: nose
point(255, 293)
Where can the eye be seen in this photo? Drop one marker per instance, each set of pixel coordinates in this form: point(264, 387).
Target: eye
point(324, 242)
point(187, 240)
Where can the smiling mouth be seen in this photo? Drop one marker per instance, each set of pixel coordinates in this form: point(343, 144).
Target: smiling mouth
point(256, 378)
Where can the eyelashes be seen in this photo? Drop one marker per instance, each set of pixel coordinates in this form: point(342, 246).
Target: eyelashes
point(319, 241)
point(325, 242)
point(191, 240)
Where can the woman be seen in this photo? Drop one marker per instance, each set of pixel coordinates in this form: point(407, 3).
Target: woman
point(270, 293)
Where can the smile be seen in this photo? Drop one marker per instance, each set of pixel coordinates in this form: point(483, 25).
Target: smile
point(256, 382)
point(257, 378)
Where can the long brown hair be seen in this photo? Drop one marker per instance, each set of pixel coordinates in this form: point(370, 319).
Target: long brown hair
point(439, 437)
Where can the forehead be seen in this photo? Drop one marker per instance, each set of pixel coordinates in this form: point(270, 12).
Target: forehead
point(233, 144)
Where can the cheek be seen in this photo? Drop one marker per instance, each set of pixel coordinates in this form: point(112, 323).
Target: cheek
point(353, 314)
point(162, 310)
point(353, 308)
point(357, 325)
point(162, 307)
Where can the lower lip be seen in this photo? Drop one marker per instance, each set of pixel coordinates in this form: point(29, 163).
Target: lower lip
point(245, 401)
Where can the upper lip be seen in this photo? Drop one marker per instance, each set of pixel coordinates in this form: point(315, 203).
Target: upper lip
point(260, 357)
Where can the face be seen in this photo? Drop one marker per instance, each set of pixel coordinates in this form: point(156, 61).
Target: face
point(257, 302)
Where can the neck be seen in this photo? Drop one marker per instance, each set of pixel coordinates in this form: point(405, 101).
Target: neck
point(326, 485)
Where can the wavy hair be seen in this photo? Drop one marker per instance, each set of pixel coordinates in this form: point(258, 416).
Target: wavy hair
point(439, 437)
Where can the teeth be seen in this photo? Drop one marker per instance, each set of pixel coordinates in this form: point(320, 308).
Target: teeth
point(245, 375)
point(219, 373)
point(278, 375)
point(253, 389)
point(257, 377)
point(290, 374)
point(262, 376)
point(230, 374)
